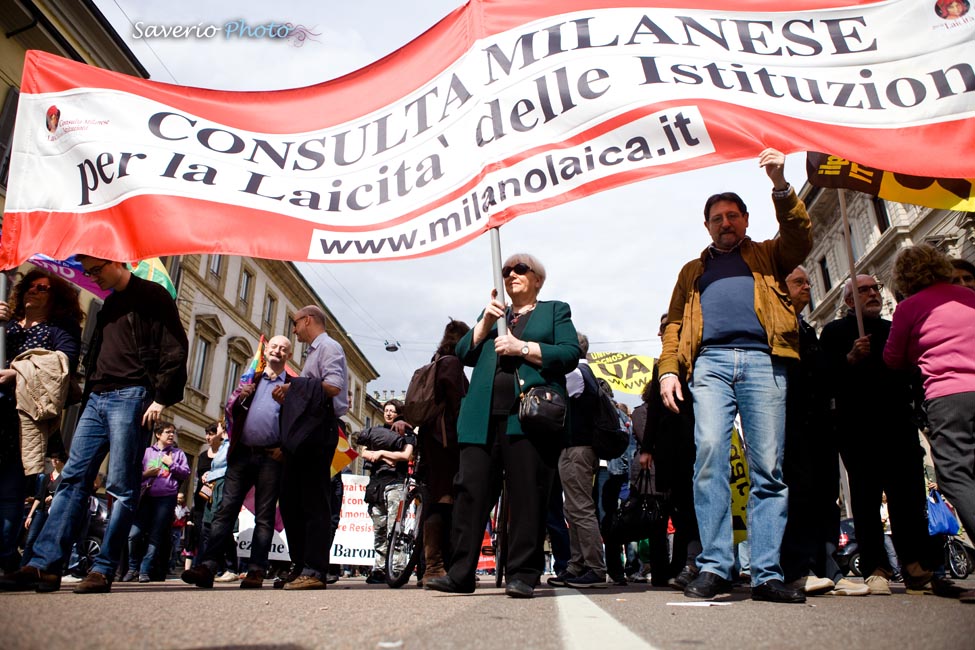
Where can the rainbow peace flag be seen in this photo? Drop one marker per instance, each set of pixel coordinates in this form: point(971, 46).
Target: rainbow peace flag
point(257, 364)
point(152, 269)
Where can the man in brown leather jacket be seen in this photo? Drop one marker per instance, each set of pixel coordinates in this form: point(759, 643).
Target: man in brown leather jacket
point(731, 320)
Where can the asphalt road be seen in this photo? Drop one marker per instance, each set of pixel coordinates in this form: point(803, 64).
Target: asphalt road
point(357, 616)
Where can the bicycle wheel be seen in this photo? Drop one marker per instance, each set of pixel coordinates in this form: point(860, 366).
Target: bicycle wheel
point(405, 539)
point(957, 559)
point(501, 536)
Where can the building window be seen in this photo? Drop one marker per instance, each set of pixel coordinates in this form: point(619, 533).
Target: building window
point(880, 209)
point(246, 289)
point(824, 271)
point(289, 322)
point(296, 347)
point(174, 266)
point(855, 244)
point(235, 368)
point(201, 359)
point(215, 268)
point(7, 117)
point(270, 309)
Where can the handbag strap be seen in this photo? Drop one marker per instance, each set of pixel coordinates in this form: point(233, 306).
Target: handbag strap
point(644, 483)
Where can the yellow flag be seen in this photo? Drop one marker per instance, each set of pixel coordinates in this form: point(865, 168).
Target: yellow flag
point(624, 372)
point(739, 488)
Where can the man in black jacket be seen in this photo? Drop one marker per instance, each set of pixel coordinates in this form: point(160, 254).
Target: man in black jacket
point(878, 441)
point(136, 366)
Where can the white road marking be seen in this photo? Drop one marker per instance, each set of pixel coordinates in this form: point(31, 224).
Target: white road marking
point(585, 625)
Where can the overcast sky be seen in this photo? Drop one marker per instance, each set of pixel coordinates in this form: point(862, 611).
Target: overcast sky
point(613, 257)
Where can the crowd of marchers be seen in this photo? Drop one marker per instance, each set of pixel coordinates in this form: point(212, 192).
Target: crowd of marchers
point(738, 359)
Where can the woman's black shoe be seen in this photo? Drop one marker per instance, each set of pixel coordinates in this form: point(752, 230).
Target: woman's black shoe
point(519, 589)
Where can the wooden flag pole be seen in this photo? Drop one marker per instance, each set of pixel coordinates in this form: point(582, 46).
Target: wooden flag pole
point(3, 330)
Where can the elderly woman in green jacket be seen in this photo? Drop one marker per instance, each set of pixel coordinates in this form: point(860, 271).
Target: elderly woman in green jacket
point(540, 347)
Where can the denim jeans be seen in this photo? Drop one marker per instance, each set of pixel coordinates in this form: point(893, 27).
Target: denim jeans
point(36, 526)
point(110, 421)
point(153, 520)
point(751, 383)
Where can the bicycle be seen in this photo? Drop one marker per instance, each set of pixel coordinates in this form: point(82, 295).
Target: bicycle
point(957, 560)
point(501, 536)
point(405, 542)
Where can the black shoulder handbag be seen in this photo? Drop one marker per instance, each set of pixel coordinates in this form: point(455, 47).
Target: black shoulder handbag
point(541, 409)
point(642, 511)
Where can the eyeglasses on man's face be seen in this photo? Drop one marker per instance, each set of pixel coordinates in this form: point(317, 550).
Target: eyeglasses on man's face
point(730, 217)
point(95, 270)
point(867, 288)
point(519, 268)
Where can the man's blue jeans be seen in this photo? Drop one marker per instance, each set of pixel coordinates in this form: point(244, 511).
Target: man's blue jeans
point(110, 421)
point(153, 520)
point(753, 383)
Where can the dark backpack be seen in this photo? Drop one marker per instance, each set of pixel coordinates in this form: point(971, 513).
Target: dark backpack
point(422, 406)
point(609, 438)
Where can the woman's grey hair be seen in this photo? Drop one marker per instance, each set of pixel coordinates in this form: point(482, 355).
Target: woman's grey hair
point(531, 261)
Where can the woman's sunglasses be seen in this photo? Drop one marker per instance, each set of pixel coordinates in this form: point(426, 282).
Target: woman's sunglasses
point(519, 268)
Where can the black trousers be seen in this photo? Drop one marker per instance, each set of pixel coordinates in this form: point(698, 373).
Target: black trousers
point(246, 468)
point(306, 505)
point(887, 457)
point(810, 468)
point(528, 463)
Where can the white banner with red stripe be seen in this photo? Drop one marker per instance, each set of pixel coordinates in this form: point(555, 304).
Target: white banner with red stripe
point(502, 108)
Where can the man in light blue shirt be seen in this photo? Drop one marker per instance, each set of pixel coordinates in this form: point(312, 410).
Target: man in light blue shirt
point(254, 460)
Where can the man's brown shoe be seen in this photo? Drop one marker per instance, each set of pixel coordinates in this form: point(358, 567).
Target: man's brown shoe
point(304, 583)
point(30, 578)
point(94, 583)
point(253, 580)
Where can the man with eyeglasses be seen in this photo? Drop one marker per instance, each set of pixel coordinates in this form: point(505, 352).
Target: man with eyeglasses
point(311, 406)
point(811, 466)
point(878, 440)
point(731, 323)
point(135, 367)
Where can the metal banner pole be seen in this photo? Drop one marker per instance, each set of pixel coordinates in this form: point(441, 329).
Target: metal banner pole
point(498, 280)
